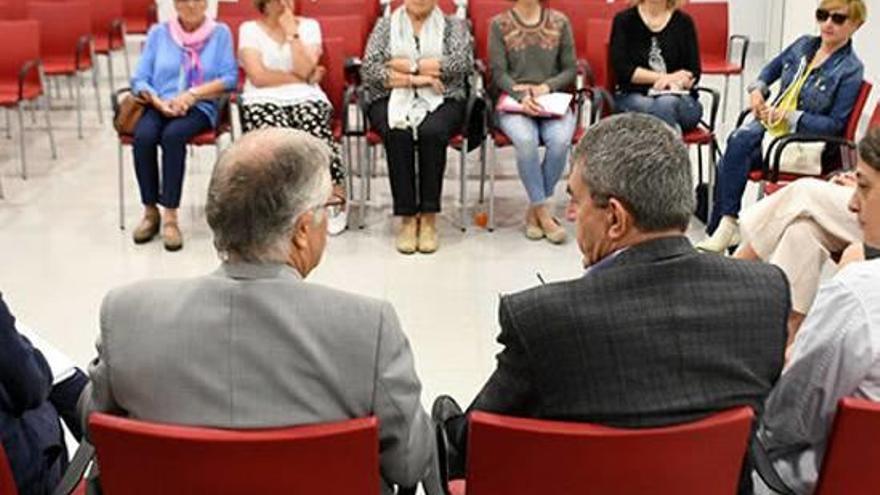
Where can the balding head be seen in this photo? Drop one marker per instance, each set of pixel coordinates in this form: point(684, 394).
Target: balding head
point(260, 187)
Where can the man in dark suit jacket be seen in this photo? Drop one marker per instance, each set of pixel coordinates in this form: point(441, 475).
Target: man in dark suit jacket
point(29, 427)
point(654, 333)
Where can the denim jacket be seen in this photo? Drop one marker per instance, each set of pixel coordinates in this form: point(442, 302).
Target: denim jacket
point(828, 97)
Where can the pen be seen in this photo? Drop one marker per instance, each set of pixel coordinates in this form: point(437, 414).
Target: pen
point(540, 278)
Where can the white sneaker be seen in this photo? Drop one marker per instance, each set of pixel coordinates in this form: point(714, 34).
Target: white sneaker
point(725, 236)
point(337, 220)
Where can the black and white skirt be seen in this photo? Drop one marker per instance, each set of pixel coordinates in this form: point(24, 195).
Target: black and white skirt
point(313, 117)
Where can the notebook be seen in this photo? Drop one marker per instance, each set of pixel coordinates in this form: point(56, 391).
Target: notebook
point(554, 104)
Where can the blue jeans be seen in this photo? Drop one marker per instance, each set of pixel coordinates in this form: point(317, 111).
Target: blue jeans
point(528, 134)
point(743, 154)
point(681, 112)
point(154, 130)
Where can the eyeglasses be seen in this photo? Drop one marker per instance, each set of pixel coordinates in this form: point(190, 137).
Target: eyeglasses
point(823, 15)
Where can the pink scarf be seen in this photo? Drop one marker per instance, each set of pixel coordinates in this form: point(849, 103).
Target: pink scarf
point(192, 43)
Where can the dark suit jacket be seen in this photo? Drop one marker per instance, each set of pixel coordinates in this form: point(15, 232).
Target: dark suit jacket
point(659, 335)
point(29, 426)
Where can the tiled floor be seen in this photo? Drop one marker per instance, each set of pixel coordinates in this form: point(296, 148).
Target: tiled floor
point(62, 251)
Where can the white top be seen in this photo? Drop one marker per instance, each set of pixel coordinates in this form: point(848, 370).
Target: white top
point(836, 354)
point(278, 57)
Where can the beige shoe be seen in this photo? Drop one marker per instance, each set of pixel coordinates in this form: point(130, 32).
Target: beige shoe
point(534, 231)
point(407, 241)
point(171, 236)
point(428, 239)
point(556, 235)
point(147, 228)
point(725, 236)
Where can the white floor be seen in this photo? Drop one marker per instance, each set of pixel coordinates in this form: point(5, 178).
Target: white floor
point(62, 251)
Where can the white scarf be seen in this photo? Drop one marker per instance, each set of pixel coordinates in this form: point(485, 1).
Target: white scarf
point(408, 107)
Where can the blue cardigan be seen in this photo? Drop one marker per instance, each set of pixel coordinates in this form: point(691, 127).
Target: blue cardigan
point(160, 69)
point(29, 425)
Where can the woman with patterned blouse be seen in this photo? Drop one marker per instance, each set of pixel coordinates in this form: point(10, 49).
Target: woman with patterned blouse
point(414, 72)
point(531, 53)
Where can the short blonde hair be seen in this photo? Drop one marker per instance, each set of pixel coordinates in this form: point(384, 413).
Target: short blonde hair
point(858, 12)
point(670, 4)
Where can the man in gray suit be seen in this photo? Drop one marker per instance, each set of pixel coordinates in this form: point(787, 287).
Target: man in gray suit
point(253, 345)
point(654, 333)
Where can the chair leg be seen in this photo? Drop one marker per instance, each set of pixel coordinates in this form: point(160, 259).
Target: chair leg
point(70, 80)
point(8, 124)
point(725, 100)
point(121, 185)
point(482, 169)
point(21, 140)
point(372, 167)
point(95, 75)
point(127, 63)
point(47, 104)
point(33, 107)
point(364, 167)
point(463, 180)
point(493, 159)
point(79, 105)
point(110, 71)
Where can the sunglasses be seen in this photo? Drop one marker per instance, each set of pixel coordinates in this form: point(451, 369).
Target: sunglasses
point(823, 15)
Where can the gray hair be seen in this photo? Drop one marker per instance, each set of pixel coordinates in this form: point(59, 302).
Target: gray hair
point(642, 162)
point(260, 187)
point(869, 148)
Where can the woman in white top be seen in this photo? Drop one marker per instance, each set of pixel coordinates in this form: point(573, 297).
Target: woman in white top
point(279, 53)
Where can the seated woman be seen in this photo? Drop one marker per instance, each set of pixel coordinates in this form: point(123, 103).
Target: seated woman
point(186, 64)
point(656, 62)
point(531, 53)
point(30, 431)
point(279, 54)
point(415, 69)
point(820, 77)
point(798, 229)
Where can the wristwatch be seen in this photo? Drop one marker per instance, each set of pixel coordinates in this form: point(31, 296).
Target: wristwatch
point(414, 68)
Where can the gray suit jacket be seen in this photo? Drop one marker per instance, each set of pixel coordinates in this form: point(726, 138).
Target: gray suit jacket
point(253, 346)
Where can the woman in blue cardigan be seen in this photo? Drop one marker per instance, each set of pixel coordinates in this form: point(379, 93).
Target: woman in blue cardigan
point(820, 77)
point(186, 64)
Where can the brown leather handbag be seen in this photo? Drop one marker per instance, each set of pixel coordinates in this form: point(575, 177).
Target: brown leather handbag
point(129, 111)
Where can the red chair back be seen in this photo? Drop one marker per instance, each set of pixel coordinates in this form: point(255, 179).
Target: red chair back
point(62, 24)
point(7, 482)
point(369, 9)
point(104, 14)
point(239, 8)
point(139, 15)
point(13, 56)
point(858, 107)
point(351, 29)
point(447, 6)
point(11, 10)
point(517, 456)
point(234, 22)
point(140, 458)
point(712, 20)
point(850, 464)
point(597, 52)
point(875, 118)
point(333, 60)
point(481, 14)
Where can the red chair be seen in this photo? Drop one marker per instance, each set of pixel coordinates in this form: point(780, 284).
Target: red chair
point(108, 30)
point(139, 15)
point(7, 482)
point(22, 78)
point(137, 458)
point(66, 46)
point(517, 456)
point(369, 9)
point(13, 10)
point(239, 8)
point(769, 175)
point(712, 20)
point(210, 137)
point(850, 464)
point(352, 29)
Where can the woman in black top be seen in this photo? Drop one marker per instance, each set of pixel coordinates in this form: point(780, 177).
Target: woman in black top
point(656, 62)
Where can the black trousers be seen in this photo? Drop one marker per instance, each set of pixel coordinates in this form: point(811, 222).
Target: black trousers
point(400, 148)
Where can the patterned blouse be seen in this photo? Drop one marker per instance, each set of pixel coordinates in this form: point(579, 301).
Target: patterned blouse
point(456, 65)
